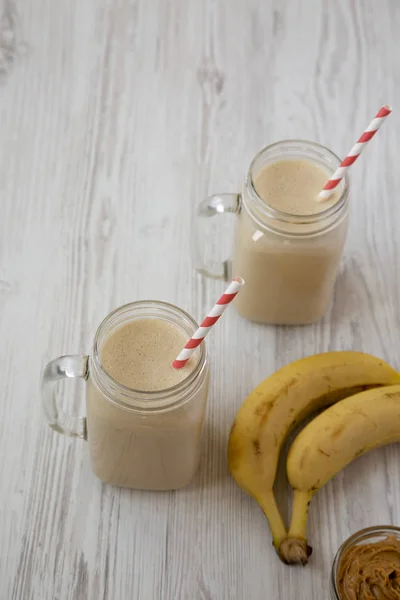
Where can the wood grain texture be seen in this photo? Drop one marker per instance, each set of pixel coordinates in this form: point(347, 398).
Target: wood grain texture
point(117, 117)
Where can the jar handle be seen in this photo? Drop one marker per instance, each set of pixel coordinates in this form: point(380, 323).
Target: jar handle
point(71, 366)
point(219, 204)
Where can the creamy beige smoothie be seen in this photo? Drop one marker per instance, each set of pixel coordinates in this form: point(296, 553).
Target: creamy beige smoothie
point(289, 277)
point(158, 448)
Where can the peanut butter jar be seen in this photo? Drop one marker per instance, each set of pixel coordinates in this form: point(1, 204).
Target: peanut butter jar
point(367, 565)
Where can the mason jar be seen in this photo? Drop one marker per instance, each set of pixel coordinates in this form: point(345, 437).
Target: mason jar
point(368, 535)
point(142, 440)
point(289, 261)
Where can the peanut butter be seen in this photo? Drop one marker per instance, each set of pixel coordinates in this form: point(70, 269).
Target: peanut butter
point(370, 571)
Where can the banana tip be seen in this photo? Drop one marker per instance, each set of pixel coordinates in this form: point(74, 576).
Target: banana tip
point(294, 551)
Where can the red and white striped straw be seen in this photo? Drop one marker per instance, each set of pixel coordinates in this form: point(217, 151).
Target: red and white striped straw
point(210, 320)
point(354, 152)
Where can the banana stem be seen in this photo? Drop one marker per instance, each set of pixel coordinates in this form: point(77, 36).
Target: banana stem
point(294, 549)
point(298, 524)
point(270, 508)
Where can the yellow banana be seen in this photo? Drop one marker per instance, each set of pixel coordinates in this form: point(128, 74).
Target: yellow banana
point(327, 444)
point(281, 401)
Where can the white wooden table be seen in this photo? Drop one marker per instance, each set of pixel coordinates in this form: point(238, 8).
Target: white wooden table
point(117, 117)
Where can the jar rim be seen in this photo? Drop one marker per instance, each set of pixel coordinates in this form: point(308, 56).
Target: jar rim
point(107, 383)
point(281, 216)
point(358, 536)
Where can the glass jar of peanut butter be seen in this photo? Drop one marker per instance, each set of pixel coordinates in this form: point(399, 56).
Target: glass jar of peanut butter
point(367, 565)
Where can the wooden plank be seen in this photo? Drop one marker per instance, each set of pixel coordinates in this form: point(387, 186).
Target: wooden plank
point(117, 117)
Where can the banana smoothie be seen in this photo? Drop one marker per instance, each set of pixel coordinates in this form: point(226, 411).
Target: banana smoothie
point(288, 244)
point(149, 438)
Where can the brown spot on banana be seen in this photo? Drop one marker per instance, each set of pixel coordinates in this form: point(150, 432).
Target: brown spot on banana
point(264, 408)
point(360, 452)
point(256, 447)
point(324, 453)
point(289, 385)
point(303, 458)
point(338, 431)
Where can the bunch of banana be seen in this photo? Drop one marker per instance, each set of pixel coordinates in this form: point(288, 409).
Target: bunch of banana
point(278, 404)
point(330, 442)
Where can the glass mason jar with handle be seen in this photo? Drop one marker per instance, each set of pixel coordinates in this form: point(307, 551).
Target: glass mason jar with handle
point(289, 261)
point(142, 440)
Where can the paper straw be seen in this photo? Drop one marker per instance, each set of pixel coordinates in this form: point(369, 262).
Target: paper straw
point(354, 152)
point(210, 320)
